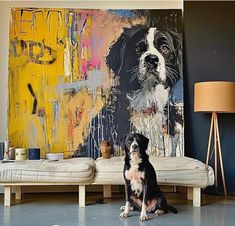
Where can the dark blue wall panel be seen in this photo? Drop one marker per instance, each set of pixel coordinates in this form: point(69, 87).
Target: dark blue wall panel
point(209, 54)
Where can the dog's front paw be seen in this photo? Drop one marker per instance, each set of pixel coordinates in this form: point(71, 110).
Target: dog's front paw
point(124, 214)
point(122, 208)
point(159, 212)
point(143, 217)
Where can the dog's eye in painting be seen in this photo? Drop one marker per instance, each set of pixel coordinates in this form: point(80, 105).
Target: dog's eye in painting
point(165, 50)
point(141, 47)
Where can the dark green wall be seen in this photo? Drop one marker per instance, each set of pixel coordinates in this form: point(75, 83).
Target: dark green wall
point(209, 54)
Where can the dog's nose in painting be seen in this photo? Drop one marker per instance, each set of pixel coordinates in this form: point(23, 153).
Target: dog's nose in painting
point(152, 59)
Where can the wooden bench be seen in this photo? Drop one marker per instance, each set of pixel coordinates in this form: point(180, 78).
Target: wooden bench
point(176, 171)
point(75, 171)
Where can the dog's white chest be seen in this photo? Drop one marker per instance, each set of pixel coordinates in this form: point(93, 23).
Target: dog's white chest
point(136, 177)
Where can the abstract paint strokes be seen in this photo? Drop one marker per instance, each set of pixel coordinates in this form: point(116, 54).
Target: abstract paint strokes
point(35, 59)
point(70, 85)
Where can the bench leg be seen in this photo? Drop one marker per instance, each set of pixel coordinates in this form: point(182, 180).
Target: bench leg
point(107, 191)
point(82, 195)
point(18, 192)
point(7, 196)
point(189, 193)
point(196, 197)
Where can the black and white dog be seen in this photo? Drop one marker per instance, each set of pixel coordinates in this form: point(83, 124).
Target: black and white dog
point(147, 62)
point(141, 188)
point(146, 71)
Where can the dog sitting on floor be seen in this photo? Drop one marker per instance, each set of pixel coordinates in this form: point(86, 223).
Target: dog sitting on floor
point(141, 188)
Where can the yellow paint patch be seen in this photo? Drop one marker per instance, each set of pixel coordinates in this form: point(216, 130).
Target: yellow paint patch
point(51, 51)
point(37, 47)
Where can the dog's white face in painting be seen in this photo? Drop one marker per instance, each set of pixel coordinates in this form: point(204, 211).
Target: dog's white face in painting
point(152, 56)
point(153, 95)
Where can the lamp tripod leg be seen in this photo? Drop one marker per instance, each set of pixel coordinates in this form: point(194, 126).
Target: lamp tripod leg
point(216, 149)
point(220, 156)
point(209, 141)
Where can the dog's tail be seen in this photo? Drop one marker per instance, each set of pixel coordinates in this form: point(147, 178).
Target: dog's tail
point(172, 209)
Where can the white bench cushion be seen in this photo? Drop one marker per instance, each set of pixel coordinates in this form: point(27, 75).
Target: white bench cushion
point(170, 170)
point(75, 170)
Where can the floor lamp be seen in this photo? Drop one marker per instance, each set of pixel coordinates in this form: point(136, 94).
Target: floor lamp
point(215, 97)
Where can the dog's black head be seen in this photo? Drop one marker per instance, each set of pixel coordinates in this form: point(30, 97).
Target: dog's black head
point(147, 63)
point(147, 56)
point(135, 144)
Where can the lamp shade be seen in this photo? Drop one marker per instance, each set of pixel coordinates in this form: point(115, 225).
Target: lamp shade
point(214, 97)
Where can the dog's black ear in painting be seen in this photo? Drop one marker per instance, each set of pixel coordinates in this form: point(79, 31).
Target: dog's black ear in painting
point(177, 42)
point(116, 55)
point(177, 39)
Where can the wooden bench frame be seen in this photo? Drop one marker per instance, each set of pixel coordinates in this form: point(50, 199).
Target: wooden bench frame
point(192, 193)
point(8, 188)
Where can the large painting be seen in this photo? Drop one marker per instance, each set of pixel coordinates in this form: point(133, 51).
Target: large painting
point(77, 77)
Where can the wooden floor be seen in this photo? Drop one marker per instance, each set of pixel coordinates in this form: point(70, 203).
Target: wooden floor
point(62, 209)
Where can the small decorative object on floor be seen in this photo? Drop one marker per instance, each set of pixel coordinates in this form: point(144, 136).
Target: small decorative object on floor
point(34, 153)
point(105, 147)
point(54, 156)
point(20, 154)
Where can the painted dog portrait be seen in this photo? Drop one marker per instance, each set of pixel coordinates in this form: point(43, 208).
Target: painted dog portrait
point(146, 66)
point(80, 76)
